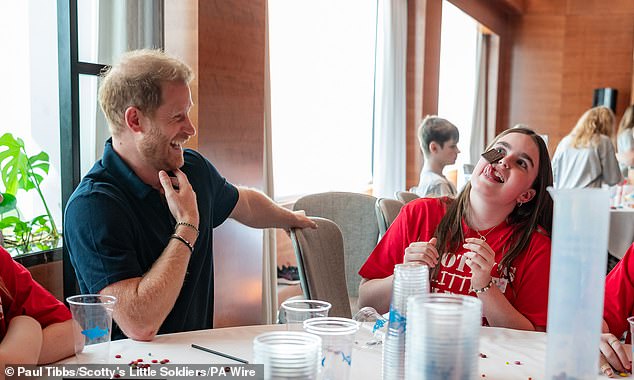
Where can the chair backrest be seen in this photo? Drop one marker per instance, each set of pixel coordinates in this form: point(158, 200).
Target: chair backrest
point(406, 196)
point(320, 262)
point(386, 211)
point(354, 214)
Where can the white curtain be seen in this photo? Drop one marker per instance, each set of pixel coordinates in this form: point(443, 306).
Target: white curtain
point(389, 107)
point(478, 131)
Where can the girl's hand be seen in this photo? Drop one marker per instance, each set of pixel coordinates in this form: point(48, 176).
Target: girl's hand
point(480, 258)
point(422, 252)
point(613, 355)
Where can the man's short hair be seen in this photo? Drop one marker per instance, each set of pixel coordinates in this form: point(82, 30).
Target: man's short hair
point(436, 129)
point(136, 81)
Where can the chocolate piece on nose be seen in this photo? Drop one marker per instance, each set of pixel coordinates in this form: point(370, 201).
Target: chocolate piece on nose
point(492, 155)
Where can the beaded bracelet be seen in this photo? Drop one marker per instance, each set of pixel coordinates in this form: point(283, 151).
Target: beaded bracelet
point(182, 239)
point(482, 290)
point(187, 225)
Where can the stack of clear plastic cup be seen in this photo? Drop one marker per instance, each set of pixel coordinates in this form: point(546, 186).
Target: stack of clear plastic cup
point(295, 312)
point(288, 354)
point(409, 280)
point(337, 336)
point(372, 328)
point(443, 332)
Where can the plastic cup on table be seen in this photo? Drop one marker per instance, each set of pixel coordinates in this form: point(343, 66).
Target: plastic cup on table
point(409, 279)
point(443, 332)
point(337, 336)
point(372, 328)
point(288, 355)
point(297, 311)
point(92, 316)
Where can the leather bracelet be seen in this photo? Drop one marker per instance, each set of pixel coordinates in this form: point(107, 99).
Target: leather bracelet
point(184, 241)
point(482, 290)
point(187, 225)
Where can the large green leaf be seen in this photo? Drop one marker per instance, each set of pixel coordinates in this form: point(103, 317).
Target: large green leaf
point(17, 169)
point(9, 203)
point(11, 221)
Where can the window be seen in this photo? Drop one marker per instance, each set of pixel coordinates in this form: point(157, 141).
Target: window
point(92, 34)
point(105, 30)
point(29, 100)
point(322, 88)
point(457, 81)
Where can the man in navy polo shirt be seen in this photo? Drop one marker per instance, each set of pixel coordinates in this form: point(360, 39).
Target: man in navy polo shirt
point(139, 225)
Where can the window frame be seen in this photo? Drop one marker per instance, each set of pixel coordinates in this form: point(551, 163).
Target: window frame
point(70, 68)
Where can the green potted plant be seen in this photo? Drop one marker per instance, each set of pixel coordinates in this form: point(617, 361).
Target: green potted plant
point(19, 171)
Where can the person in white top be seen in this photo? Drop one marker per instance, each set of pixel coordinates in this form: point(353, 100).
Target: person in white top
point(438, 140)
point(625, 140)
point(586, 157)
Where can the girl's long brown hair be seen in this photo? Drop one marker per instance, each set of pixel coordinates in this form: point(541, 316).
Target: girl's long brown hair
point(525, 219)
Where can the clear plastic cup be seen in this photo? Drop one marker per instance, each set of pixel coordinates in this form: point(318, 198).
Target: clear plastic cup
point(92, 316)
point(295, 312)
point(372, 328)
point(409, 280)
point(337, 336)
point(288, 354)
point(443, 332)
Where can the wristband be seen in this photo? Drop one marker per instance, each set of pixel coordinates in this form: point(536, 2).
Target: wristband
point(184, 241)
point(482, 290)
point(186, 225)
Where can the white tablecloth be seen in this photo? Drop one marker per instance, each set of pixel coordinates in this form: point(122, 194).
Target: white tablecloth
point(500, 346)
point(621, 231)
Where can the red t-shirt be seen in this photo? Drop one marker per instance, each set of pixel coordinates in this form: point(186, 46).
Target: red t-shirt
point(526, 287)
point(619, 294)
point(27, 297)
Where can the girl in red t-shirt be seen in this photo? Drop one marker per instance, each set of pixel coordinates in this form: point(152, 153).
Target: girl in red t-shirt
point(491, 241)
point(35, 328)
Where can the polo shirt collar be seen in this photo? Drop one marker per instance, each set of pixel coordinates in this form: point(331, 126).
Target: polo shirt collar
point(120, 170)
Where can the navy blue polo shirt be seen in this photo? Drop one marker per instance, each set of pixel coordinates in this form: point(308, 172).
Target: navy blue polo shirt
point(116, 227)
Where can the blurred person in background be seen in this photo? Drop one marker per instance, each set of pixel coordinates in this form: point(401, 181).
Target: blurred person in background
point(438, 140)
point(586, 157)
point(625, 141)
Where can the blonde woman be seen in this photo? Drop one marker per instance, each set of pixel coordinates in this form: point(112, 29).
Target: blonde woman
point(625, 140)
point(586, 157)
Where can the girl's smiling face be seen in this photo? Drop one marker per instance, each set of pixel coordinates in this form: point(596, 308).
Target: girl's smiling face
point(509, 179)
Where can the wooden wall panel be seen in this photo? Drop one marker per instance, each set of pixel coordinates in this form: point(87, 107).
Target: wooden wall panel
point(416, 21)
point(553, 7)
point(513, 6)
point(181, 40)
point(594, 7)
point(423, 69)
point(231, 134)
point(49, 275)
point(492, 16)
point(595, 57)
point(565, 49)
point(536, 82)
